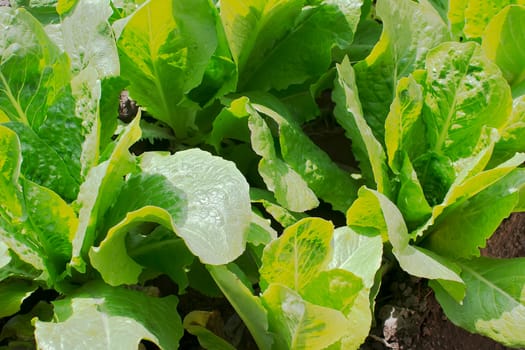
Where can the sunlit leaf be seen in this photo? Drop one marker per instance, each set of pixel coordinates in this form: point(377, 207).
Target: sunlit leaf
point(218, 209)
point(298, 255)
point(300, 324)
point(123, 317)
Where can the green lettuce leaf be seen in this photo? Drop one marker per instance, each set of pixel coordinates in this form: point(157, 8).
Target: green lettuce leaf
point(493, 305)
point(349, 114)
point(411, 199)
point(218, 213)
point(155, 251)
point(195, 323)
point(54, 223)
point(366, 36)
point(111, 258)
point(51, 160)
point(88, 38)
point(35, 223)
point(4, 256)
point(111, 89)
point(512, 133)
point(290, 261)
point(469, 18)
point(283, 216)
point(313, 165)
point(26, 47)
point(340, 289)
point(466, 187)
point(39, 104)
point(277, 44)
point(101, 317)
point(12, 294)
point(261, 231)
point(410, 29)
point(359, 323)
point(161, 203)
point(231, 124)
point(340, 294)
point(221, 75)
point(87, 92)
point(350, 249)
point(322, 279)
point(458, 134)
point(12, 266)
point(11, 160)
point(299, 324)
point(403, 129)
point(462, 231)
point(155, 189)
point(164, 51)
point(97, 193)
point(290, 189)
point(505, 28)
point(415, 260)
point(442, 7)
point(247, 306)
point(404, 124)
point(464, 92)
point(64, 6)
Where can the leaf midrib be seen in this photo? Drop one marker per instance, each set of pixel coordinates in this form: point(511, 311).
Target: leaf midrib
point(21, 113)
point(488, 283)
point(445, 128)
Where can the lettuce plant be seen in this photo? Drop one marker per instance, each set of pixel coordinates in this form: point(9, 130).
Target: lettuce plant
point(430, 94)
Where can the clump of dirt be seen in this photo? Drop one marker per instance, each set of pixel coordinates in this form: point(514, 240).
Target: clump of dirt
point(409, 317)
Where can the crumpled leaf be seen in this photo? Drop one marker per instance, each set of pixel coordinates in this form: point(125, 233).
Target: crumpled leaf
point(218, 213)
point(460, 73)
point(88, 38)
